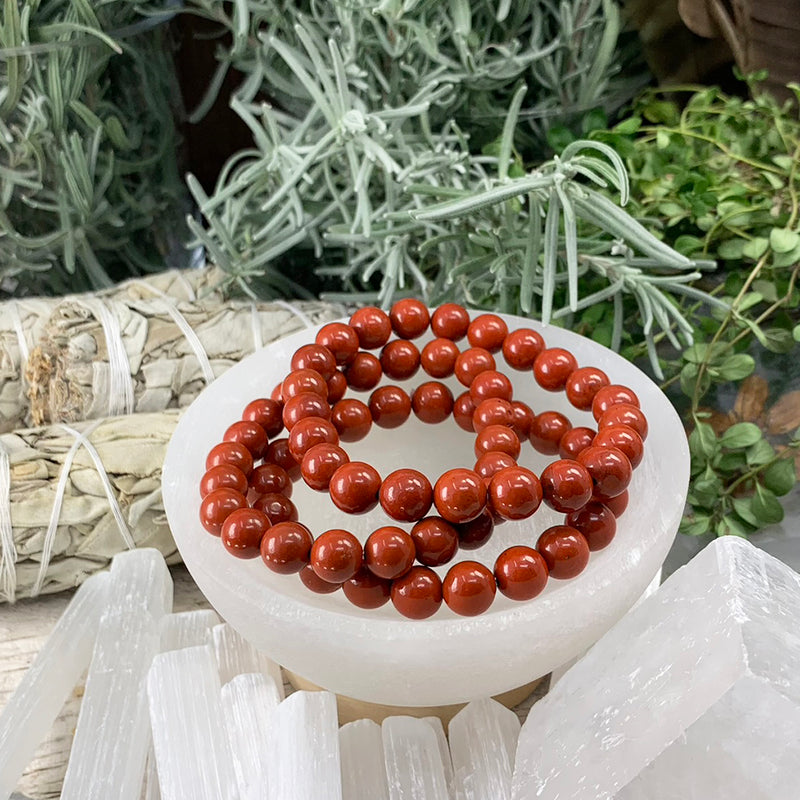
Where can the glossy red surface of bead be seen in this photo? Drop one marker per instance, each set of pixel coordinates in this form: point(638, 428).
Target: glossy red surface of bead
point(616, 505)
point(464, 411)
point(410, 318)
point(316, 357)
point(521, 348)
point(277, 393)
point(546, 431)
point(363, 372)
point(469, 588)
point(406, 495)
point(303, 380)
point(285, 547)
point(418, 593)
point(487, 331)
point(305, 404)
point(248, 433)
point(242, 532)
point(583, 384)
point(354, 487)
point(223, 476)
point(497, 439)
point(566, 485)
point(624, 414)
point(230, 453)
point(596, 522)
point(611, 396)
point(390, 406)
point(459, 495)
point(267, 413)
point(278, 453)
point(278, 507)
point(399, 359)
point(352, 419)
point(553, 367)
point(523, 417)
point(366, 590)
point(610, 470)
point(319, 464)
point(269, 479)
point(315, 584)
point(450, 321)
point(389, 552)
point(575, 440)
point(493, 411)
point(623, 438)
point(438, 358)
point(491, 383)
point(337, 387)
point(515, 493)
point(340, 339)
point(435, 541)
point(336, 556)
point(521, 573)
point(564, 550)
point(489, 464)
point(476, 532)
point(432, 402)
point(310, 431)
point(372, 326)
point(470, 363)
point(217, 505)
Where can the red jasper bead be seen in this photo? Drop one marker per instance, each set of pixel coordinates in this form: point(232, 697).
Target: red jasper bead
point(515, 493)
point(575, 440)
point(450, 321)
point(271, 479)
point(613, 395)
point(285, 547)
point(230, 453)
point(248, 433)
point(278, 453)
point(316, 357)
point(277, 507)
point(319, 464)
point(624, 414)
point(623, 438)
point(523, 417)
point(583, 384)
point(464, 411)
point(352, 419)
point(367, 590)
point(521, 347)
point(491, 384)
point(469, 588)
point(432, 402)
point(546, 431)
point(303, 380)
point(418, 593)
point(567, 485)
point(476, 532)
point(409, 318)
point(470, 363)
point(489, 464)
point(521, 573)
point(337, 386)
point(354, 487)
point(340, 339)
point(438, 358)
point(493, 411)
point(390, 406)
point(459, 495)
point(564, 550)
point(553, 367)
point(364, 372)
point(609, 468)
point(399, 359)
point(336, 556)
point(277, 393)
point(616, 505)
point(406, 495)
point(267, 413)
point(216, 506)
point(315, 584)
point(223, 476)
point(435, 541)
point(389, 552)
point(487, 331)
point(497, 438)
point(305, 404)
point(308, 432)
point(372, 326)
point(242, 532)
point(596, 522)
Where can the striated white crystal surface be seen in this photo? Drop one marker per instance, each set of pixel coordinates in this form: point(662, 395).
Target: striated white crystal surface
point(187, 629)
point(483, 741)
point(191, 749)
point(444, 747)
point(112, 737)
point(37, 701)
point(303, 755)
point(413, 764)
point(363, 768)
point(248, 701)
point(701, 682)
point(236, 656)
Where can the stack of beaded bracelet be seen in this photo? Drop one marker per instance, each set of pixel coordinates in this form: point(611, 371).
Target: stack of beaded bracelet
point(248, 504)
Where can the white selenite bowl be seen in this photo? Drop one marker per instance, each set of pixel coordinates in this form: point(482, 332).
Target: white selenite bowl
point(378, 655)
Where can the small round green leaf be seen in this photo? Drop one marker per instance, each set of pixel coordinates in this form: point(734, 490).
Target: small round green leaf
point(741, 435)
point(766, 506)
point(755, 248)
point(736, 367)
point(783, 240)
point(780, 477)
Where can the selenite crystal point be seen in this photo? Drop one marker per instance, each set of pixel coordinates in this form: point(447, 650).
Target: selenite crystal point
point(236, 656)
point(694, 694)
point(363, 768)
point(187, 629)
point(413, 763)
point(444, 747)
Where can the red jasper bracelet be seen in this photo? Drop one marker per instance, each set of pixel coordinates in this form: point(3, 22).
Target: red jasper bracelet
point(588, 483)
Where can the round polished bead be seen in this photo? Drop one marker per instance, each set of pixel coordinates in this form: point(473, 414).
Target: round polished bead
point(611, 396)
point(223, 476)
point(450, 321)
point(278, 453)
point(315, 584)
point(564, 550)
point(575, 440)
point(464, 411)
point(269, 479)
point(609, 468)
point(623, 438)
point(521, 348)
point(352, 419)
point(308, 432)
point(432, 402)
point(364, 372)
point(340, 339)
point(624, 414)
point(596, 522)
point(566, 485)
point(497, 439)
point(367, 590)
point(583, 384)
point(285, 547)
point(389, 552)
point(400, 359)
point(418, 593)
point(553, 367)
point(248, 433)
point(470, 363)
point(336, 556)
point(410, 318)
point(230, 453)
point(267, 413)
point(435, 541)
point(491, 383)
point(438, 358)
point(337, 387)
point(489, 464)
point(316, 357)
point(616, 505)
point(319, 464)
point(243, 530)
point(521, 573)
point(523, 417)
point(493, 411)
point(216, 506)
point(390, 406)
point(354, 487)
point(277, 507)
point(303, 380)
point(305, 404)
point(469, 588)
point(459, 495)
point(277, 393)
point(474, 534)
point(546, 431)
point(372, 326)
point(515, 493)
point(487, 331)
point(406, 495)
